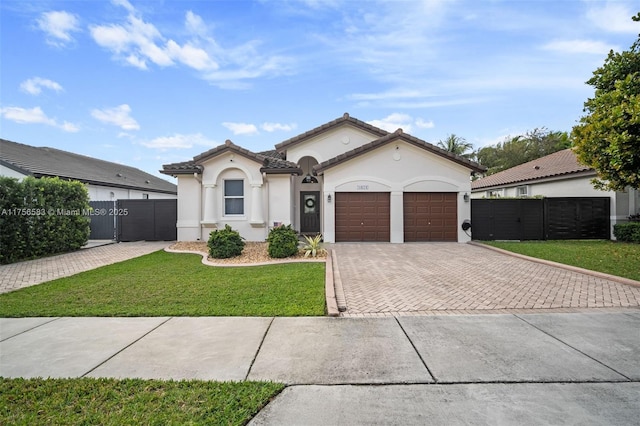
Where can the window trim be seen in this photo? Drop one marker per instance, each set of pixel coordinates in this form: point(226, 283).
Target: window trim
point(526, 191)
point(226, 197)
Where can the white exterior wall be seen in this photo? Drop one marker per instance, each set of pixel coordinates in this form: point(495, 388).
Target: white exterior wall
point(279, 197)
point(107, 193)
point(6, 171)
point(405, 169)
point(328, 145)
point(189, 205)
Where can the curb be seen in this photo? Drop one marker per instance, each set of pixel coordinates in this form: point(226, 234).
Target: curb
point(596, 274)
point(206, 261)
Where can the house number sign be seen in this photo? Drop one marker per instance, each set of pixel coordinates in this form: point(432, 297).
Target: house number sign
point(362, 187)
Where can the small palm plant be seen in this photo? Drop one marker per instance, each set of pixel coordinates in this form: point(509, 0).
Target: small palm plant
point(313, 247)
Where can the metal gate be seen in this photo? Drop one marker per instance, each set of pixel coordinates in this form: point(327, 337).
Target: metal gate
point(150, 220)
point(102, 220)
point(567, 218)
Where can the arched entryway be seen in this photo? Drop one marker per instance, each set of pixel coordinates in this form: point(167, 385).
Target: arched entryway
point(309, 199)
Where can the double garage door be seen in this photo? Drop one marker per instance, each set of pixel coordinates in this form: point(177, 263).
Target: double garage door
point(365, 216)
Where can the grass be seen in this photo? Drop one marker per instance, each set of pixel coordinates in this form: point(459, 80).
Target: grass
point(615, 258)
point(132, 401)
point(171, 284)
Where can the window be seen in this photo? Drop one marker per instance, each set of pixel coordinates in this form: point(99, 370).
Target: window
point(234, 197)
point(145, 196)
point(522, 191)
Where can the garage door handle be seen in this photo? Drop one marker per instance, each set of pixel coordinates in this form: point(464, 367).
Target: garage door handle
point(361, 223)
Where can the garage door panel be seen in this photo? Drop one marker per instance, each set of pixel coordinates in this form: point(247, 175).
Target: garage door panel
point(430, 216)
point(362, 216)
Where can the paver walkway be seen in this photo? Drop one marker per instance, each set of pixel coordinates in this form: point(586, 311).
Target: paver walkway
point(32, 272)
point(436, 278)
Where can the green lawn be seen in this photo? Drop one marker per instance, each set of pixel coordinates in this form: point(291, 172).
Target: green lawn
point(124, 402)
point(615, 258)
point(172, 284)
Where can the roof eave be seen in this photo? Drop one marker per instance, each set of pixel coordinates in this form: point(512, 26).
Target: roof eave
point(541, 179)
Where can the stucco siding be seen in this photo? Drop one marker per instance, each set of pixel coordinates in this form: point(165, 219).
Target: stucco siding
point(330, 144)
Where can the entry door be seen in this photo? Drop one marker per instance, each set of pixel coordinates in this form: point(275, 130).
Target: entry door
point(310, 212)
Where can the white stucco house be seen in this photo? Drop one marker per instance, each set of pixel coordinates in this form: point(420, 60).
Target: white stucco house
point(346, 179)
point(556, 175)
point(105, 181)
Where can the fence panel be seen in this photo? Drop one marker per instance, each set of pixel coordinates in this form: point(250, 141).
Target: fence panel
point(103, 221)
point(150, 220)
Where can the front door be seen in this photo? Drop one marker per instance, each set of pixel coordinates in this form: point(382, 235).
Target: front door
point(310, 212)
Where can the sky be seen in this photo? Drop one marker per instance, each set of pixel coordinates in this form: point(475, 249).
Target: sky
point(146, 83)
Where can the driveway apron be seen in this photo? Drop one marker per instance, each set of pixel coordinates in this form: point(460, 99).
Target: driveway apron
point(382, 279)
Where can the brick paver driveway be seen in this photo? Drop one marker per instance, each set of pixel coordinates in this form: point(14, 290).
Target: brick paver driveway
point(427, 278)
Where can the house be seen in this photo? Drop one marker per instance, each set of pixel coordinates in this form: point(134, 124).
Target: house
point(555, 175)
point(105, 181)
point(346, 179)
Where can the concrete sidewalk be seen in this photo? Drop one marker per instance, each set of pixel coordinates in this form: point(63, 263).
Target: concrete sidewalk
point(472, 369)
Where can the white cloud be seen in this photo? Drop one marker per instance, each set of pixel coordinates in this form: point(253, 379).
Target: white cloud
point(118, 116)
point(272, 127)
point(614, 17)
point(34, 85)
point(397, 120)
point(178, 141)
point(58, 26)
point(241, 128)
point(35, 116)
point(423, 124)
point(579, 46)
point(141, 44)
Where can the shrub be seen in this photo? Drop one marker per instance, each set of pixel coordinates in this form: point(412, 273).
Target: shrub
point(313, 247)
point(283, 242)
point(41, 217)
point(225, 243)
point(627, 232)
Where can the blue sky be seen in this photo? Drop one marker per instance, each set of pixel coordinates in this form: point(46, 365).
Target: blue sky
point(146, 83)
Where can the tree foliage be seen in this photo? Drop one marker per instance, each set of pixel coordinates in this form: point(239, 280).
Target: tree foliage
point(521, 149)
point(608, 136)
point(458, 146)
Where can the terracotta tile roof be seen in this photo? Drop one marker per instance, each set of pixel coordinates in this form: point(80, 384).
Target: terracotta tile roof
point(272, 162)
point(560, 163)
point(282, 146)
point(398, 134)
point(43, 161)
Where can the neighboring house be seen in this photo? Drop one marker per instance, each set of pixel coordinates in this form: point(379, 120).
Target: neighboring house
point(105, 181)
point(555, 175)
point(345, 179)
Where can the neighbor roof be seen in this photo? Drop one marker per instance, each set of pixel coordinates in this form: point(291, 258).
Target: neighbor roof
point(398, 134)
point(561, 163)
point(272, 162)
point(49, 162)
point(345, 119)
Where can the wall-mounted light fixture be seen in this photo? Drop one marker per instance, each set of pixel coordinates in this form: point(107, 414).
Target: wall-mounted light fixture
point(466, 197)
point(329, 198)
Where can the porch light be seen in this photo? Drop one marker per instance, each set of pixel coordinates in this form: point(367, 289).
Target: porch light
point(466, 197)
point(329, 198)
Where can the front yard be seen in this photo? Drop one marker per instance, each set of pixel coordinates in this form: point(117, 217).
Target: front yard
point(171, 284)
point(610, 257)
point(131, 401)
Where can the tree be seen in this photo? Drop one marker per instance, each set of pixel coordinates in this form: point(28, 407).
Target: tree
point(458, 146)
point(520, 149)
point(608, 136)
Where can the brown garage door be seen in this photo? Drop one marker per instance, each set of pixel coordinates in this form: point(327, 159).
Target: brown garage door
point(362, 216)
point(430, 216)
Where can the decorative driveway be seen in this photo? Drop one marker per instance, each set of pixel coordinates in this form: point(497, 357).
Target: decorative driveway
point(381, 279)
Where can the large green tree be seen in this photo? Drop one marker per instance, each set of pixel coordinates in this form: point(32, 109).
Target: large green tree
point(608, 136)
point(517, 150)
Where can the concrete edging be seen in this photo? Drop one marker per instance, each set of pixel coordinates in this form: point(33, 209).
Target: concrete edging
point(329, 289)
point(597, 274)
point(206, 261)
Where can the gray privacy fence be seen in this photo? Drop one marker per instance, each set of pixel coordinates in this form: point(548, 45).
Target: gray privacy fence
point(134, 220)
point(555, 218)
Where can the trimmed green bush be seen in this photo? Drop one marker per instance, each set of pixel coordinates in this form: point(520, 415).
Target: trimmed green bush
point(627, 232)
point(225, 243)
point(283, 242)
point(41, 217)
